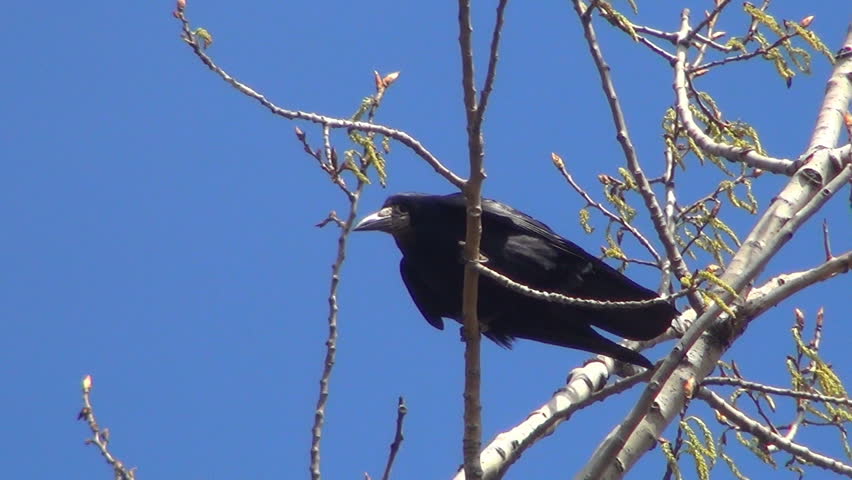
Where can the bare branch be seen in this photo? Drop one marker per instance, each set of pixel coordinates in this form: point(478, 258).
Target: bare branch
point(560, 165)
point(668, 57)
point(353, 196)
point(492, 62)
point(100, 436)
point(747, 156)
point(401, 410)
point(826, 240)
point(330, 122)
point(784, 286)
point(566, 300)
point(472, 440)
point(696, 355)
point(786, 392)
point(768, 437)
point(709, 19)
point(744, 56)
point(331, 341)
point(584, 387)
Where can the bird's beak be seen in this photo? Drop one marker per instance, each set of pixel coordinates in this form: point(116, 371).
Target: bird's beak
point(381, 221)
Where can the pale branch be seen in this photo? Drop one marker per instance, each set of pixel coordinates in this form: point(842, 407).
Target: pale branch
point(331, 341)
point(326, 144)
point(584, 387)
point(709, 20)
point(327, 167)
point(826, 240)
point(700, 229)
point(792, 429)
point(560, 165)
point(696, 354)
point(784, 286)
point(786, 392)
point(623, 136)
point(671, 37)
point(472, 188)
point(353, 196)
point(668, 57)
point(401, 411)
point(491, 74)
point(331, 122)
point(743, 56)
point(748, 156)
point(668, 180)
point(579, 392)
point(100, 436)
point(768, 437)
point(559, 298)
point(712, 197)
point(638, 261)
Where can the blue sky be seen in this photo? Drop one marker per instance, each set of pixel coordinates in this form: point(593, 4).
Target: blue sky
point(159, 230)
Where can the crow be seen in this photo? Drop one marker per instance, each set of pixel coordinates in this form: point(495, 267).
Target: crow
point(429, 230)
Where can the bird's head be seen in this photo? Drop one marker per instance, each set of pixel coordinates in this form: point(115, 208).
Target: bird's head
point(394, 217)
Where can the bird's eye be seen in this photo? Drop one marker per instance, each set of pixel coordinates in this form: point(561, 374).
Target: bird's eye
point(401, 209)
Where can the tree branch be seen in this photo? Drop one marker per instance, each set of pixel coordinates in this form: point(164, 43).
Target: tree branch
point(331, 341)
point(784, 286)
point(747, 156)
point(769, 437)
point(100, 436)
point(555, 297)
point(401, 411)
point(492, 63)
point(560, 165)
point(331, 122)
point(472, 189)
point(353, 196)
point(696, 354)
point(786, 392)
point(584, 387)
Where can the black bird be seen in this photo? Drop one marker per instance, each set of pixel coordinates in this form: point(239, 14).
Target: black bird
point(430, 230)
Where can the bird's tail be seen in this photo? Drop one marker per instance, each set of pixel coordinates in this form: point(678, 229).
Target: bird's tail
point(635, 324)
point(584, 337)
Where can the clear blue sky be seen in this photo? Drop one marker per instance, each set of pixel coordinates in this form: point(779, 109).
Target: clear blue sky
point(159, 230)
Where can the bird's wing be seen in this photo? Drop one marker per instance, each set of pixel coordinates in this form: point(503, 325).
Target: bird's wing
point(555, 255)
point(529, 252)
point(422, 295)
point(524, 223)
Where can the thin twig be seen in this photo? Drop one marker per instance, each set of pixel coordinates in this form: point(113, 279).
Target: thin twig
point(331, 341)
point(100, 436)
point(492, 62)
point(743, 56)
point(401, 411)
point(768, 437)
point(700, 229)
point(472, 189)
point(826, 240)
point(353, 196)
point(560, 165)
point(709, 20)
point(786, 392)
point(783, 286)
point(331, 122)
point(567, 300)
point(747, 156)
